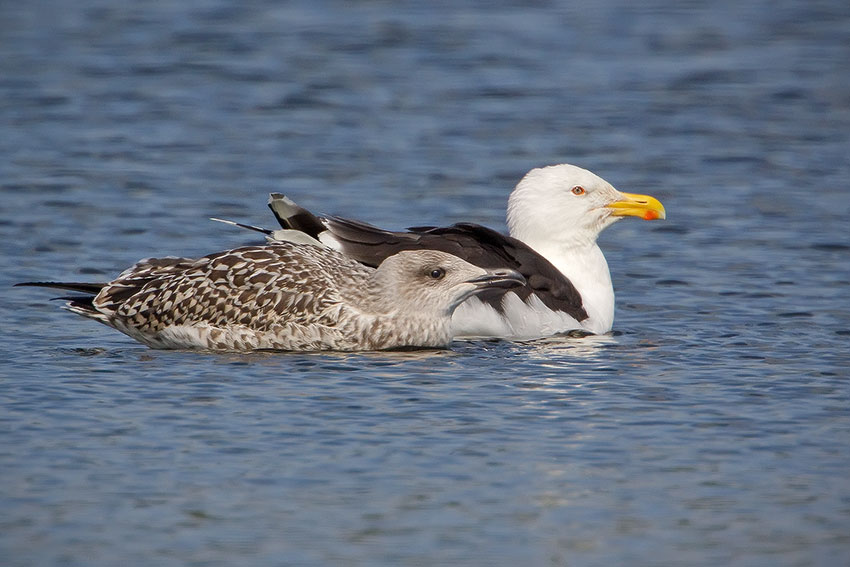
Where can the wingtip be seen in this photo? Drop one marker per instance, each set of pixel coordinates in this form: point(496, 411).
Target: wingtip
point(275, 198)
point(225, 221)
point(82, 287)
point(34, 284)
point(265, 231)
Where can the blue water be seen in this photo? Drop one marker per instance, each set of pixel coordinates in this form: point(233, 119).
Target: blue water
point(711, 428)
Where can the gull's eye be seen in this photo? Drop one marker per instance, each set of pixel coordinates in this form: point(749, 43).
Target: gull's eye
point(437, 274)
point(578, 190)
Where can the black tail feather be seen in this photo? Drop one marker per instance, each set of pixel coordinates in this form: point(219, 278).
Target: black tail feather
point(81, 303)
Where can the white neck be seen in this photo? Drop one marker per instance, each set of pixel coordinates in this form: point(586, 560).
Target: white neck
point(587, 269)
point(545, 213)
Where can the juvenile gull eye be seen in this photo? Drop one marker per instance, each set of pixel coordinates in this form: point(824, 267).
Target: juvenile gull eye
point(437, 273)
point(578, 190)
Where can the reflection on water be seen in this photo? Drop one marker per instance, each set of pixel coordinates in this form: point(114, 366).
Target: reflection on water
point(566, 349)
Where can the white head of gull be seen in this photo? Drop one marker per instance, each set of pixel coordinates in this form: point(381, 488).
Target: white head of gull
point(286, 296)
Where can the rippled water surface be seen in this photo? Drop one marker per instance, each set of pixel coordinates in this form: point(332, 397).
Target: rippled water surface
point(711, 428)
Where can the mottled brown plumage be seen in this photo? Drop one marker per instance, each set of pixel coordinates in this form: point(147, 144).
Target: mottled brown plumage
point(289, 297)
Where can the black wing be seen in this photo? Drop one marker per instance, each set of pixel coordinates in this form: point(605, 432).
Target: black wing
point(479, 245)
point(294, 217)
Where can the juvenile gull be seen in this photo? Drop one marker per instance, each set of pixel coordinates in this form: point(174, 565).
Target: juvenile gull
point(555, 215)
point(287, 296)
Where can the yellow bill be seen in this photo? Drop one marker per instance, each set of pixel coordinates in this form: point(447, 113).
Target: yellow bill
point(634, 205)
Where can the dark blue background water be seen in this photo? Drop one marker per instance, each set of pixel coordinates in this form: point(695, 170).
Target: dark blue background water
point(711, 429)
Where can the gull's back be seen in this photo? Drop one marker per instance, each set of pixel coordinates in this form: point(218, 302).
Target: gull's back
point(280, 296)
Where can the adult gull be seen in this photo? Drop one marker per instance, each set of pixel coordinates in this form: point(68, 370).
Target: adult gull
point(555, 215)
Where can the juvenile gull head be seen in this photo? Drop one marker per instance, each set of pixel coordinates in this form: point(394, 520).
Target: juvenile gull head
point(287, 296)
point(435, 282)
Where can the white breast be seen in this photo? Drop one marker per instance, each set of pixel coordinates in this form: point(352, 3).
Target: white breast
point(587, 270)
point(520, 320)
